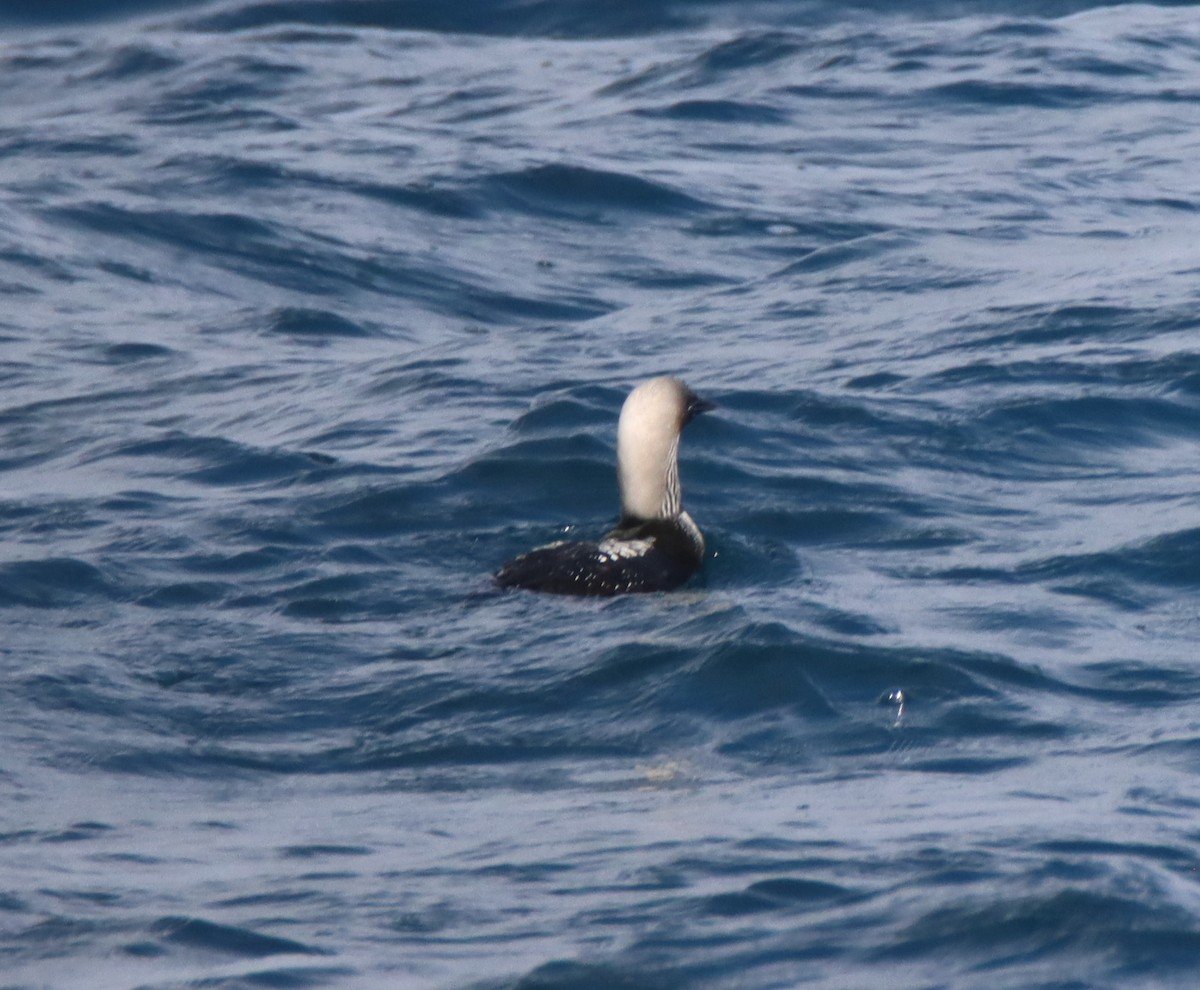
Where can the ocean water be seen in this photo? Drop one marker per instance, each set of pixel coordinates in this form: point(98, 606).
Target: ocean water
point(313, 312)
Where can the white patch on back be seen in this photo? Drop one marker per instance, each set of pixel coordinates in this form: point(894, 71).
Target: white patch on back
point(623, 549)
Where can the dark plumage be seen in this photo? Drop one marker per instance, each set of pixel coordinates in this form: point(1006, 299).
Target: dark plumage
point(655, 546)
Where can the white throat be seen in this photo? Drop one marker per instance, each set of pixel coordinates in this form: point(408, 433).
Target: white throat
point(648, 449)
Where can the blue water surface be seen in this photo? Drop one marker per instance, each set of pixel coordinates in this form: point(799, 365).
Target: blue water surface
point(313, 312)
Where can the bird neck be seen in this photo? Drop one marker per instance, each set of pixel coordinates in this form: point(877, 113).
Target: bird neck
point(648, 472)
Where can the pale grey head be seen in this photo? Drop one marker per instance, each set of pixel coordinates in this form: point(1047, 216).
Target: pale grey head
point(652, 419)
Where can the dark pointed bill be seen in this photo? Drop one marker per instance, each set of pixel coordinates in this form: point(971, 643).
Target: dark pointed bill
point(696, 406)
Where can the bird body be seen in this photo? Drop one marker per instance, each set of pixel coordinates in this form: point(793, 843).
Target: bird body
point(655, 545)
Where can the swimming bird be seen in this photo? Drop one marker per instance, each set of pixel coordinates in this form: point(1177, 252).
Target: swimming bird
point(655, 545)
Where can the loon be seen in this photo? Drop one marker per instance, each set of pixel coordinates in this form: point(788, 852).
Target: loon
point(655, 545)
